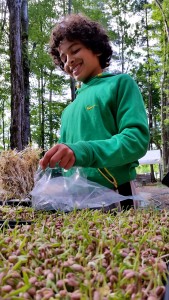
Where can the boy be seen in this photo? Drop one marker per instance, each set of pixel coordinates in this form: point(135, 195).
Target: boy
point(104, 130)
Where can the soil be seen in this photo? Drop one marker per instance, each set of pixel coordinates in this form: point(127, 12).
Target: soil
point(155, 192)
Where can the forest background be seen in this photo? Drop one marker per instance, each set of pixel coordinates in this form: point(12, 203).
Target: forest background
point(33, 92)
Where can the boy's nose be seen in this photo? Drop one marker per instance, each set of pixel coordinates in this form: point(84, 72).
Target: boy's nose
point(70, 60)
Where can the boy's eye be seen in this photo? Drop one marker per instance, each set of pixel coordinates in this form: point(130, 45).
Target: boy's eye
point(63, 59)
point(74, 51)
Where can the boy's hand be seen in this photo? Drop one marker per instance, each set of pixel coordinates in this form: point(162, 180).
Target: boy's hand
point(60, 154)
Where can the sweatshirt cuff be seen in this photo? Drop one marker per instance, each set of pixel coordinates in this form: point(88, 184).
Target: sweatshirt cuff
point(83, 153)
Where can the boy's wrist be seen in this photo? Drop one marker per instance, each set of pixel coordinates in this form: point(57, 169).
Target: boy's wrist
point(82, 152)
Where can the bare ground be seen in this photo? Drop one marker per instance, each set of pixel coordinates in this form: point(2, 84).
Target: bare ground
point(155, 192)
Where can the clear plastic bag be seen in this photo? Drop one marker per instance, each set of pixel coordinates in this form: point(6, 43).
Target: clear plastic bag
point(53, 191)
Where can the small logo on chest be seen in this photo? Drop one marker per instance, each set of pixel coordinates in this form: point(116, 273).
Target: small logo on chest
point(90, 107)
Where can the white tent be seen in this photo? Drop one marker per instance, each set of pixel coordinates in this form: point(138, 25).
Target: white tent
point(152, 157)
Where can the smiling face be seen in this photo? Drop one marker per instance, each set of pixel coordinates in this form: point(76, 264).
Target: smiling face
point(79, 62)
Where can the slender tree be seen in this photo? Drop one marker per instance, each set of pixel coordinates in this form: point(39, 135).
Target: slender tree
point(3, 11)
point(164, 16)
point(149, 87)
point(4, 77)
point(161, 14)
point(26, 71)
point(72, 81)
point(17, 80)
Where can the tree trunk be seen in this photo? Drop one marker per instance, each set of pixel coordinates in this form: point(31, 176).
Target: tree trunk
point(150, 104)
point(39, 112)
point(17, 82)
point(72, 81)
point(72, 87)
point(166, 25)
point(153, 179)
point(164, 129)
point(165, 91)
point(50, 114)
point(26, 70)
point(3, 124)
point(3, 17)
point(42, 111)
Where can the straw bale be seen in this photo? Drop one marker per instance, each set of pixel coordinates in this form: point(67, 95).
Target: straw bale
point(17, 171)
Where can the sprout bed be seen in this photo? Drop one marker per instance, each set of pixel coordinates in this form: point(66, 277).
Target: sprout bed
point(84, 254)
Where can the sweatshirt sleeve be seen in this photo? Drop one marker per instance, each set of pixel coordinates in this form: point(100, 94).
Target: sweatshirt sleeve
point(131, 141)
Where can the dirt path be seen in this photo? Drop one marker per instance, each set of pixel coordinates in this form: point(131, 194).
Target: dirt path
point(157, 192)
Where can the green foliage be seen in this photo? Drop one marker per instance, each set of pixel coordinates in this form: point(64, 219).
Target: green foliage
point(146, 169)
point(45, 81)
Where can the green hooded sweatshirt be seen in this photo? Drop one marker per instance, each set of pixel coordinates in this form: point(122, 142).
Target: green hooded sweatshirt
point(106, 127)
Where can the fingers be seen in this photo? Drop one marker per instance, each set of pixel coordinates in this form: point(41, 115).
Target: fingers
point(67, 164)
point(45, 161)
point(60, 154)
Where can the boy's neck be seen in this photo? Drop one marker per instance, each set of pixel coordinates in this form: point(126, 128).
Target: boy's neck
point(90, 78)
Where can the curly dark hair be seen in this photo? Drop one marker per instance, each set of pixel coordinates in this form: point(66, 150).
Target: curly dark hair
point(89, 33)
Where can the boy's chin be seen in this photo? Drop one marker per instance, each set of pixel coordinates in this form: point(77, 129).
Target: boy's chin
point(79, 78)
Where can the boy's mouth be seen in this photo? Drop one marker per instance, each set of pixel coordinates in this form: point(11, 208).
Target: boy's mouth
point(76, 70)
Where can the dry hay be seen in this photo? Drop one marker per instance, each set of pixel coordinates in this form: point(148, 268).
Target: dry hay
point(17, 170)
